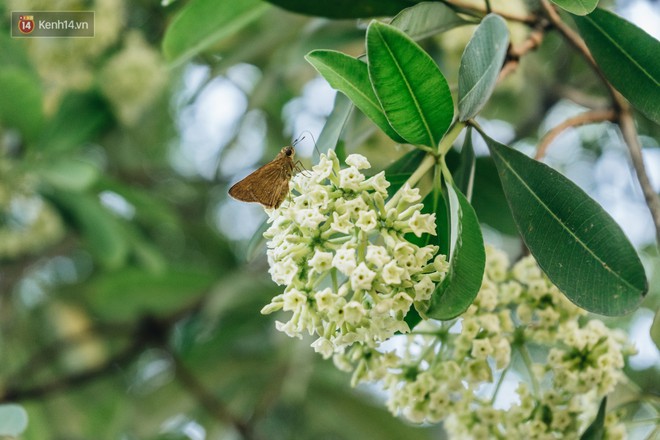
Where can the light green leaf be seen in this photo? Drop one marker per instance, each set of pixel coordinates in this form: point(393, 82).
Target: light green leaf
point(351, 77)
point(409, 85)
point(67, 174)
point(13, 420)
point(655, 329)
point(464, 174)
point(596, 431)
point(426, 19)
point(467, 260)
point(335, 123)
point(480, 65)
point(576, 243)
point(577, 7)
point(343, 8)
point(20, 101)
point(628, 57)
point(202, 23)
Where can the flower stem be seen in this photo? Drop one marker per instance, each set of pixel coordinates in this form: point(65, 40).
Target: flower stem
point(527, 360)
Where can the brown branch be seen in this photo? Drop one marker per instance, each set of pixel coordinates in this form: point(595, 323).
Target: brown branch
point(515, 53)
point(586, 118)
point(623, 115)
point(209, 402)
point(527, 19)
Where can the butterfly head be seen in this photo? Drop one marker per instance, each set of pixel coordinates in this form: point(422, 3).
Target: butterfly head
point(288, 152)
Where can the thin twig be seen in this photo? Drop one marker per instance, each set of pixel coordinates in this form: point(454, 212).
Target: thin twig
point(533, 41)
point(624, 116)
point(586, 118)
point(527, 19)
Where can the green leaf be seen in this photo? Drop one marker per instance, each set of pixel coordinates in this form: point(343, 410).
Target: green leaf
point(577, 7)
point(467, 260)
point(351, 77)
point(655, 329)
point(576, 243)
point(596, 431)
point(628, 57)
point(426, 19)
point(131, 293)
point(67, 173)
point(102, 231)
point(488, 198)
point(202, 23)
point(410, 87)
point(13, 420)
point(334, 125)
point(80, 116)
point(464, 175)
point(400, 170)
point(20, 101)
point(343, 8)
point(480, 65)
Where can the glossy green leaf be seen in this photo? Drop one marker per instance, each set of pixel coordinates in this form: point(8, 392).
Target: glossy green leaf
point(628, 57)
point(20, 101)
point(426, 19)
point(343, 8)
point(596, 431)
point(101, 230)
point(577, 7)
point(131, 293)
point(576, 243)
point(351, 77)
point(480, 65)
point(467, 260)
point(410, 87)
point(202, 23)
point(13, 420)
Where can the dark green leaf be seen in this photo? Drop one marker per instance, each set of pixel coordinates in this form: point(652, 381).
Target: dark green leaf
point(13, 419)
point(577, 7)
point(480, 65)
point(628, 57)
point(596, 431)
point(399, 171)
point(131, 293)
point(343, 8)
point(351, 77)
point(576, 243)
point(467, 260)
point(488, 198)
point(67, 174)
point(410, 87)
point(464, 175)
point(102, 231)
point(20, 101)
point(426, 19)
point(202, 23)
point(79, 117)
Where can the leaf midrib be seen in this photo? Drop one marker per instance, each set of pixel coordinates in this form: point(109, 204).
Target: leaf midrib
point(577, 239)
point(408, 87)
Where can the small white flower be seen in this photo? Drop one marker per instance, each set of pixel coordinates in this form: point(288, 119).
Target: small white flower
point(377, 256)
point(422, 223)
point(392, 273)
point(362, 277)
point(341, 223)
point(309, 218)
point(358, 161)
point(325, 299)
point(424, 289)
point(410, 195)
point(354, 312)
point(293, 300)
point(284, 271)
point(324, 347)
point(344, 260)
point(321, 261)
point(367, 221)
point(350, 179)
point(378, 183)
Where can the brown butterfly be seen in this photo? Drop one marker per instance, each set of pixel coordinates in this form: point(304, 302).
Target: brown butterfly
point(268, 185)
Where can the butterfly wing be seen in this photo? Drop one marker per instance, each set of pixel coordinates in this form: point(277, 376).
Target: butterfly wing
point(268, 185)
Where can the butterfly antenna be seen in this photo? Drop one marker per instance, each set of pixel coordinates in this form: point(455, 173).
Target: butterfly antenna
point(313, 140)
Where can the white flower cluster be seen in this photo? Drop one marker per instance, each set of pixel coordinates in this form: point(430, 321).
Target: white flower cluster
point(350, 274)
point(448, 370)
